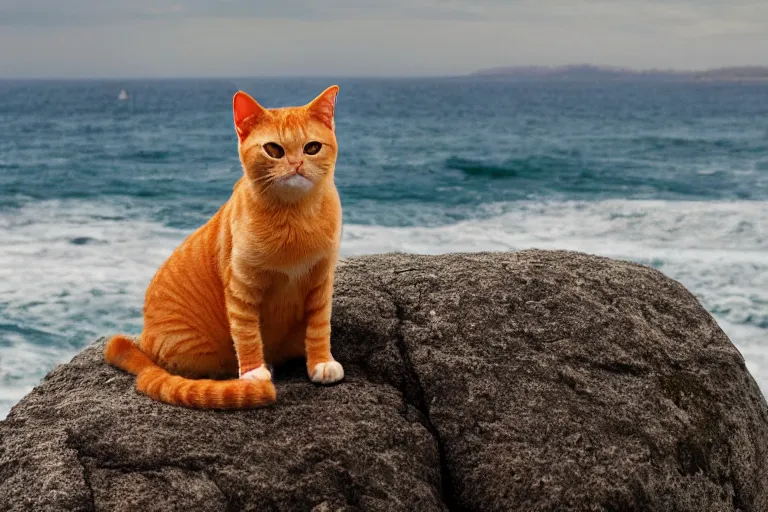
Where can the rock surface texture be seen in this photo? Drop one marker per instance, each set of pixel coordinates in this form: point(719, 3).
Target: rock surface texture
point(530, 381)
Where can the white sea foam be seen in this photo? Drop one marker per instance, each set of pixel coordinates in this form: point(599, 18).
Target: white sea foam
point(71, 271)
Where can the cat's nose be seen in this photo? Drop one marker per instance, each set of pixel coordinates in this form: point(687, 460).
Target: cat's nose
point(297, 164)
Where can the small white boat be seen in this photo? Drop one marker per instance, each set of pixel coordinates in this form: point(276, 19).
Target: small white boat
point(123, 95)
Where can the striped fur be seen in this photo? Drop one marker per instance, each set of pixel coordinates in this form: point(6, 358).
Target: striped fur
point(253, 285)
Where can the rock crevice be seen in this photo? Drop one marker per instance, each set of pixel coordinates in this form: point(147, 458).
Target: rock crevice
point(90, 506)
point(413, 392)
point(530, 381)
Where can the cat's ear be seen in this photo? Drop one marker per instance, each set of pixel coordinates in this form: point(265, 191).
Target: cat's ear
point(246, 111)
point(323, 107)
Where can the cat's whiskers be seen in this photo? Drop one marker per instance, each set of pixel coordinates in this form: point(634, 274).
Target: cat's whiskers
point(265, 178)
point(267, 181)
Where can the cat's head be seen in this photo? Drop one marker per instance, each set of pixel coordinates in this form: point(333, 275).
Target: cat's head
point(287, 152)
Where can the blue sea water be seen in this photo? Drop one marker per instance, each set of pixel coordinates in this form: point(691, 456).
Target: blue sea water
point(96, 192)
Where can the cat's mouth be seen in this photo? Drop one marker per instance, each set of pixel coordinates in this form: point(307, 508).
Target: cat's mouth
point(295, 182)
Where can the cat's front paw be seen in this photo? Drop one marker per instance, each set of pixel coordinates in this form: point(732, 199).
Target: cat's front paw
point(260, 373)
point(327, 373)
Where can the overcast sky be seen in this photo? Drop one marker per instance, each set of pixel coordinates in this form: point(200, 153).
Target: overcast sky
point(109, 38)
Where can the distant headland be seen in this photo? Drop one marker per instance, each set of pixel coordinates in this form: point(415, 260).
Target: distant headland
point(604, 73)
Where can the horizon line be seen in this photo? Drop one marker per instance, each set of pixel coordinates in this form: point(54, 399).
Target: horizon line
point(470, 74)
point(226, 77)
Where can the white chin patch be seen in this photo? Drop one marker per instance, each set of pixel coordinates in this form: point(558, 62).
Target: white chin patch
point(295, 183)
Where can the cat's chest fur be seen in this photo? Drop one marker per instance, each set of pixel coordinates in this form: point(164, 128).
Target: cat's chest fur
point(292, 254)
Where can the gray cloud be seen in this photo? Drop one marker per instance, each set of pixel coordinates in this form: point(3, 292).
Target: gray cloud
point(16, 12)
point(89, 12)
point(367, 37)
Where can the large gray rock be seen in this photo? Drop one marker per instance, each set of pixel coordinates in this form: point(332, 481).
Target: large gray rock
point(531, 381)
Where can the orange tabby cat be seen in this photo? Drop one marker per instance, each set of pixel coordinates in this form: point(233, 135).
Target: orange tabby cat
point(252, 287)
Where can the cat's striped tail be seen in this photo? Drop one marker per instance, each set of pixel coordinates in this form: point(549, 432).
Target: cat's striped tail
point(155, 382)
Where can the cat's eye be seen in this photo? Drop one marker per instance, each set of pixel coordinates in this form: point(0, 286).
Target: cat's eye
point(312, 148)
point(274, 150)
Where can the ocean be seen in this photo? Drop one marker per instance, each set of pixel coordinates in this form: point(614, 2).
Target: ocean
point(96, 192)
